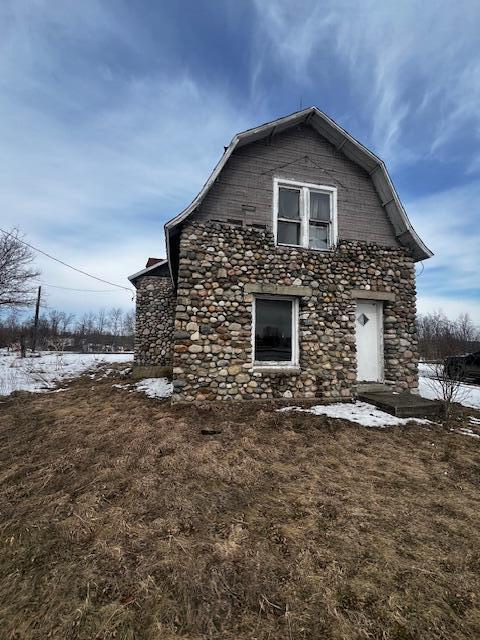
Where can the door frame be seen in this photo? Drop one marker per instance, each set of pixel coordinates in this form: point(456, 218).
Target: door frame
point(380, 341)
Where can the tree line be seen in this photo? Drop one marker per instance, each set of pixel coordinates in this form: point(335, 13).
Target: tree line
point(105, 330)
point(439, 337)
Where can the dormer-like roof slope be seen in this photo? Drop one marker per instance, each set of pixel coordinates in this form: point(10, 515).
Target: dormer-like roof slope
point(343, 141)
point(155, 267)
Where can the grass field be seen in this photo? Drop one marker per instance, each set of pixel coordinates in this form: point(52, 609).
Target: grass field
point(124, 517)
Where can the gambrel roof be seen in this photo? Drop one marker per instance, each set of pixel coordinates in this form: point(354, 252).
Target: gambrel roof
point(354, 150)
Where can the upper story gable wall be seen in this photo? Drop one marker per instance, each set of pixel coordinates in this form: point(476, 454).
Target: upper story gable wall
point(244, 188)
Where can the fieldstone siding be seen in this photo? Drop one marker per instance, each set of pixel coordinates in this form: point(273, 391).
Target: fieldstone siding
point(213, 350)
point(154, 321)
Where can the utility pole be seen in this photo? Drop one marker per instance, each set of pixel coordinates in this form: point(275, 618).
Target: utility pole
point(35, 326)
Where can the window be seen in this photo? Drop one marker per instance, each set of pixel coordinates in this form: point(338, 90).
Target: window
point(275, 330)
point(305, 215)
point(289, 222)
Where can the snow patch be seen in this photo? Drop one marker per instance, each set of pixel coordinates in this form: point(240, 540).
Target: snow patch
point(468, 395)
point(466, 432)
point(155, 387)
point(360, 412)
point(41, 373)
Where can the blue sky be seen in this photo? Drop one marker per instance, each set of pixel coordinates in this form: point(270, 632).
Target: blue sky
point(112, 115)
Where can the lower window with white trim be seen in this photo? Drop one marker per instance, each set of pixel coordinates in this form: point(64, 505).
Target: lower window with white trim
point(275, 331)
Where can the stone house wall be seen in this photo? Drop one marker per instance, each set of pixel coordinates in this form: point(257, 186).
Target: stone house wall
point(219, 263)
point(154, 321)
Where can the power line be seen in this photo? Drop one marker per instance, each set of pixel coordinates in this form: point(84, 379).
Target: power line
point(56, 286)
point(65, 264)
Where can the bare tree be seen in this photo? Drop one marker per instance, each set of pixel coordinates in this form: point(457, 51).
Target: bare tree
point(446, 386)
point(101, 321)
point(438, 336)
point(17, 274)
point(128, 328)
point(86, 324)
point(466, 331)
point(115, 322)
point(54, 319)
point(66, 320)
point(59, 321)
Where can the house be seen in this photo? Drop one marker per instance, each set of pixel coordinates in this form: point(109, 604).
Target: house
point(290, 275)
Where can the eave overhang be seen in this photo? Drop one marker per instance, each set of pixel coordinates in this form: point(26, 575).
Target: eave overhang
point(147, 271)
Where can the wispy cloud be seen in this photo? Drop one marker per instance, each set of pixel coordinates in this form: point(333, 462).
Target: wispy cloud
point(403, 64)
point(450, 221)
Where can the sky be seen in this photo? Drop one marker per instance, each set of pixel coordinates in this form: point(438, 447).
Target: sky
point(114, 113)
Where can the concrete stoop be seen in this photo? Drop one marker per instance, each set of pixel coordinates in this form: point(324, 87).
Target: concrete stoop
point(402, 405)
point(373, 387)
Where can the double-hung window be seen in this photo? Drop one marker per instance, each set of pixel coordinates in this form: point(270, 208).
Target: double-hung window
point(305, 215)
point(275, 331)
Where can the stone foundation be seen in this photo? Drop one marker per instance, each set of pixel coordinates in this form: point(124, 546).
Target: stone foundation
point(154, 322)
point(213, 351)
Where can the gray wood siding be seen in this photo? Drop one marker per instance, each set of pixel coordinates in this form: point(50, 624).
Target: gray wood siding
point(297, 154)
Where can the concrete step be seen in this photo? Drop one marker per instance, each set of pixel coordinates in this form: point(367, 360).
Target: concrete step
point(372, 387)
point(403, 405)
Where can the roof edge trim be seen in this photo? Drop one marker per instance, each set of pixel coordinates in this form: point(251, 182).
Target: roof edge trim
point(142, 272)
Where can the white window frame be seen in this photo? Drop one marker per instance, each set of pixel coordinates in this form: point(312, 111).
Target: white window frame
point(305, 188)
point(287, 364)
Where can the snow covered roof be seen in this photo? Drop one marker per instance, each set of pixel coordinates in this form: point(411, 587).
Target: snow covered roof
point(343, 141)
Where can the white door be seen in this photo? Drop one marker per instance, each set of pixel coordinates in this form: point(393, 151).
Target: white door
point(369, 338)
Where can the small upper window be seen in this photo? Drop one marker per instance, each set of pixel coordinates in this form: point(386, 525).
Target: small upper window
point(305, 215)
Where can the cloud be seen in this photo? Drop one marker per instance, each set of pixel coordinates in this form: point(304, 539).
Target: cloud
point(88, 191)
point(448, 221)
point(412, 71)
point(93, 162)
point(147, 150)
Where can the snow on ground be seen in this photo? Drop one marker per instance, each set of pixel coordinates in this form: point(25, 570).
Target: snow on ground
point(466, 431)
point(361, 412)
point(425, 369)
point(468, 394)
point(155, 387)
point(39, 374)
point(151, 387)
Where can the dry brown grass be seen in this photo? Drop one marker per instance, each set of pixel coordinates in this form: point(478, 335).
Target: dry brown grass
point(119, 519)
